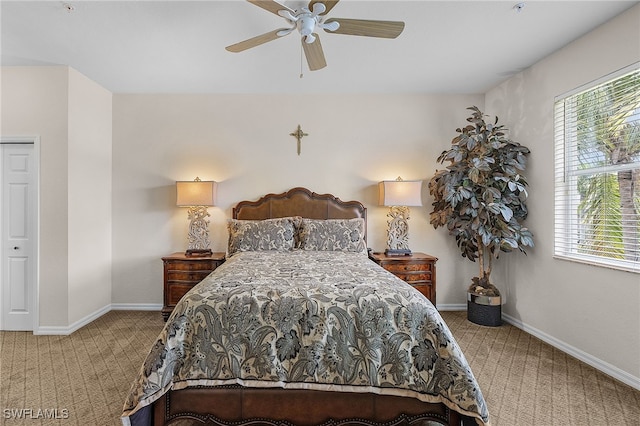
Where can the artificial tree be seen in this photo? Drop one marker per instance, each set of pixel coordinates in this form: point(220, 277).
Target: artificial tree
point(480, 196)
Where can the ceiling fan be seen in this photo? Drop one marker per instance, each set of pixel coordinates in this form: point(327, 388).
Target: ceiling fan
point(310, 19)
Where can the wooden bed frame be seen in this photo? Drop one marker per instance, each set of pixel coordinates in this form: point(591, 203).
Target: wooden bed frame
point(237, 405)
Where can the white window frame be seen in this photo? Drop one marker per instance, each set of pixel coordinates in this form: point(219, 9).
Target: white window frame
point(567, 197)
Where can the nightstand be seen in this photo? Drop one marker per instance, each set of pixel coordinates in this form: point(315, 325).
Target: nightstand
point(417, 269)
point(182, 272)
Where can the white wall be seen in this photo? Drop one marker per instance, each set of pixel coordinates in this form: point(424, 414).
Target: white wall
point(594, 311)
point(243, 142)
point(89, 198)
point(34, 103)
point(72, 116)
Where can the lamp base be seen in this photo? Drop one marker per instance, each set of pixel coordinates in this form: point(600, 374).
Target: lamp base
point(198, 252)
point(397, 252)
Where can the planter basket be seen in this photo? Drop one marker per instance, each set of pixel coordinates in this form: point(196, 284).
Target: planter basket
point(484, 310)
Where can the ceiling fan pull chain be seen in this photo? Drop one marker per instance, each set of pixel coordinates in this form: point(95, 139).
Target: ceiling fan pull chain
point(301, 74)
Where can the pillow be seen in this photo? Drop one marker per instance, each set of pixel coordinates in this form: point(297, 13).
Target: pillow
point(260, 235)
point(333, 235)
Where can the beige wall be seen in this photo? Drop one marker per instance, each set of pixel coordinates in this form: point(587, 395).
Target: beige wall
point(72, 117)
point(34, 103)
point(243, 142)
point(89, 197)
point(593, 310)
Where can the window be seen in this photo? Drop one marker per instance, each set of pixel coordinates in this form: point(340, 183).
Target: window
point(597, 172)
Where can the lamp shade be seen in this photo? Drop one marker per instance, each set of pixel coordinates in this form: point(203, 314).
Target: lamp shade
point(195, 193)
point(400, 192)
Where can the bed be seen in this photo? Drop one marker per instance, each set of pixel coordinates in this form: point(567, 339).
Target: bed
point(299, 327)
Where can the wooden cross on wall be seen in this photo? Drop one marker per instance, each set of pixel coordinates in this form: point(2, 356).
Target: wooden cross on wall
point(299, 134)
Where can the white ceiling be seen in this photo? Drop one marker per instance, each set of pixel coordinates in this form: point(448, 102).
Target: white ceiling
point(178, 46)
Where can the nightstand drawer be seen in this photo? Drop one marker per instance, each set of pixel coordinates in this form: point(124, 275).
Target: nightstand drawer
point(407, 267)
point(426, 289)
point(191, 266)
point(175, 292)
point(192, 276)
point(416, 277)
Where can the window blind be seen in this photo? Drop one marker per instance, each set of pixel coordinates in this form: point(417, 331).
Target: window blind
point(597, 172)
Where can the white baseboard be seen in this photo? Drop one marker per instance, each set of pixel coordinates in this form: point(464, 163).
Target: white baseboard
point(451, 307)
point(65, 331)
point(596, 363)
point(136, 307)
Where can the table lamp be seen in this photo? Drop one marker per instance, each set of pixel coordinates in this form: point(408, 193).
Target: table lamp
point(399, 195)
point(197, 195)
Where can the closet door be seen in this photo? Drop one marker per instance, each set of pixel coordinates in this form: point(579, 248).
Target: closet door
point(18, 231)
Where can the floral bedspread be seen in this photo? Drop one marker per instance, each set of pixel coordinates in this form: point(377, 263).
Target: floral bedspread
point(313, 320)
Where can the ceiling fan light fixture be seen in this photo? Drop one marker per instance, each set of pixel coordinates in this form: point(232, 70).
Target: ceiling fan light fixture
point(286, 14)
point(318, 9)
point(283, 33)
point(330, 26)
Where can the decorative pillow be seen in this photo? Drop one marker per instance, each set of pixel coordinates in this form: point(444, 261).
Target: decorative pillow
point(297, 223)
point(333, 235)
point(259, 235)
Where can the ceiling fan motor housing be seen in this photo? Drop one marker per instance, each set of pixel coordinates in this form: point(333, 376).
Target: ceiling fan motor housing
point(306, 24)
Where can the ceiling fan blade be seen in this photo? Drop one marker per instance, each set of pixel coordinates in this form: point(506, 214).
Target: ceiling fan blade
point(367, 28)
point(255, 41)
point(314, 54)
point(271, 6)
point(330, 4)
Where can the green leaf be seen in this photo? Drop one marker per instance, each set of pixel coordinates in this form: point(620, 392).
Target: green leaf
point(526, 241)
point(465, 193)
point(474, 175)
point(493, 208)
point(507, 213)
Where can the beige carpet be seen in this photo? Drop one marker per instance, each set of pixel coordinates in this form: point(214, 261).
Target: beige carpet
point(88, 373)
point(83, 379)
point(527, 382)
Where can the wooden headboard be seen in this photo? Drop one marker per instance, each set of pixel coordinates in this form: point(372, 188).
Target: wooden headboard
point(299, 202)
